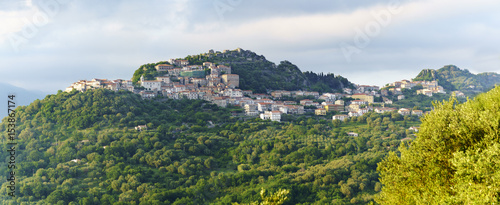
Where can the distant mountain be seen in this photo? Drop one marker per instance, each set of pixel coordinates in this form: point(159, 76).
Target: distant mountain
point(23, 96)
point(260, 75)
point(453, 78)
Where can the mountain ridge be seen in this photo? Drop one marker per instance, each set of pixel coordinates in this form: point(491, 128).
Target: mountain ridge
point(453, 78)
point(23, 96)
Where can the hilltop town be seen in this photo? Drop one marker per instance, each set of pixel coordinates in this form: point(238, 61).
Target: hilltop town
point(216, 83)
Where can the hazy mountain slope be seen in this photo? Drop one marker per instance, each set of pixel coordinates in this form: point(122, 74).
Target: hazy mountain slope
point(453, 78)
point(23, 96)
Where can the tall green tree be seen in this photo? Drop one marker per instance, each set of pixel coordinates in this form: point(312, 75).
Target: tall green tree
point(454, 159)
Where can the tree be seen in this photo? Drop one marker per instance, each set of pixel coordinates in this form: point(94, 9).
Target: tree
point(209, 162)
point(454, 159)
point(277, 198)
point(336, 123)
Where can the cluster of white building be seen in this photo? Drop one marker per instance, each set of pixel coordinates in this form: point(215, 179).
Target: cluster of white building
point(179, 79)
point(115, 85)
point(360, 112)
point(270, 109)
point(220, 88)
point(429, 87)
point(364, 98)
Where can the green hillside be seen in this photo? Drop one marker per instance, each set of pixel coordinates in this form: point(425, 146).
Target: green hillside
point(453, 78)
point(193, 152)
point(258, 74)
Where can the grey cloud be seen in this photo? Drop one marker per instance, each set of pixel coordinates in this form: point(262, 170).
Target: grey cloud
point(9, 5)
point(110, 39)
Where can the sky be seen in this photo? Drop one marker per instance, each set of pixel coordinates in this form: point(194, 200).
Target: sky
point(46, 45)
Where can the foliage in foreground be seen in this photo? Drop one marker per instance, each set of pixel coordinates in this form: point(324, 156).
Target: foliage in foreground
point(454, 160)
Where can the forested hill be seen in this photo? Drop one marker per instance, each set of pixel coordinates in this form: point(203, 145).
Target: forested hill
point(453, 78)
point(82, 148)
point(258, 74)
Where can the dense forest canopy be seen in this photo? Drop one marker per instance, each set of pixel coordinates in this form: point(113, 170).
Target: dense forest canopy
point(82, 148)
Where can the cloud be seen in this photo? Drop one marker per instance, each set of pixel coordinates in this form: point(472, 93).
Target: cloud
point(86, 39)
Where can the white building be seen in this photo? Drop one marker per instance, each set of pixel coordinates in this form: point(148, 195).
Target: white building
point(164, 79)
point(353, 114)
point(233, 93)
point(151, 84)
point(251, 110)
point(384, 109)
point(264, 106)
point(271, 115)
point(163, 67)
point(283, 109)
point(404, 111)
point(340, 117)
point(352, 134)
point(339, 102)
point(359, 102)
